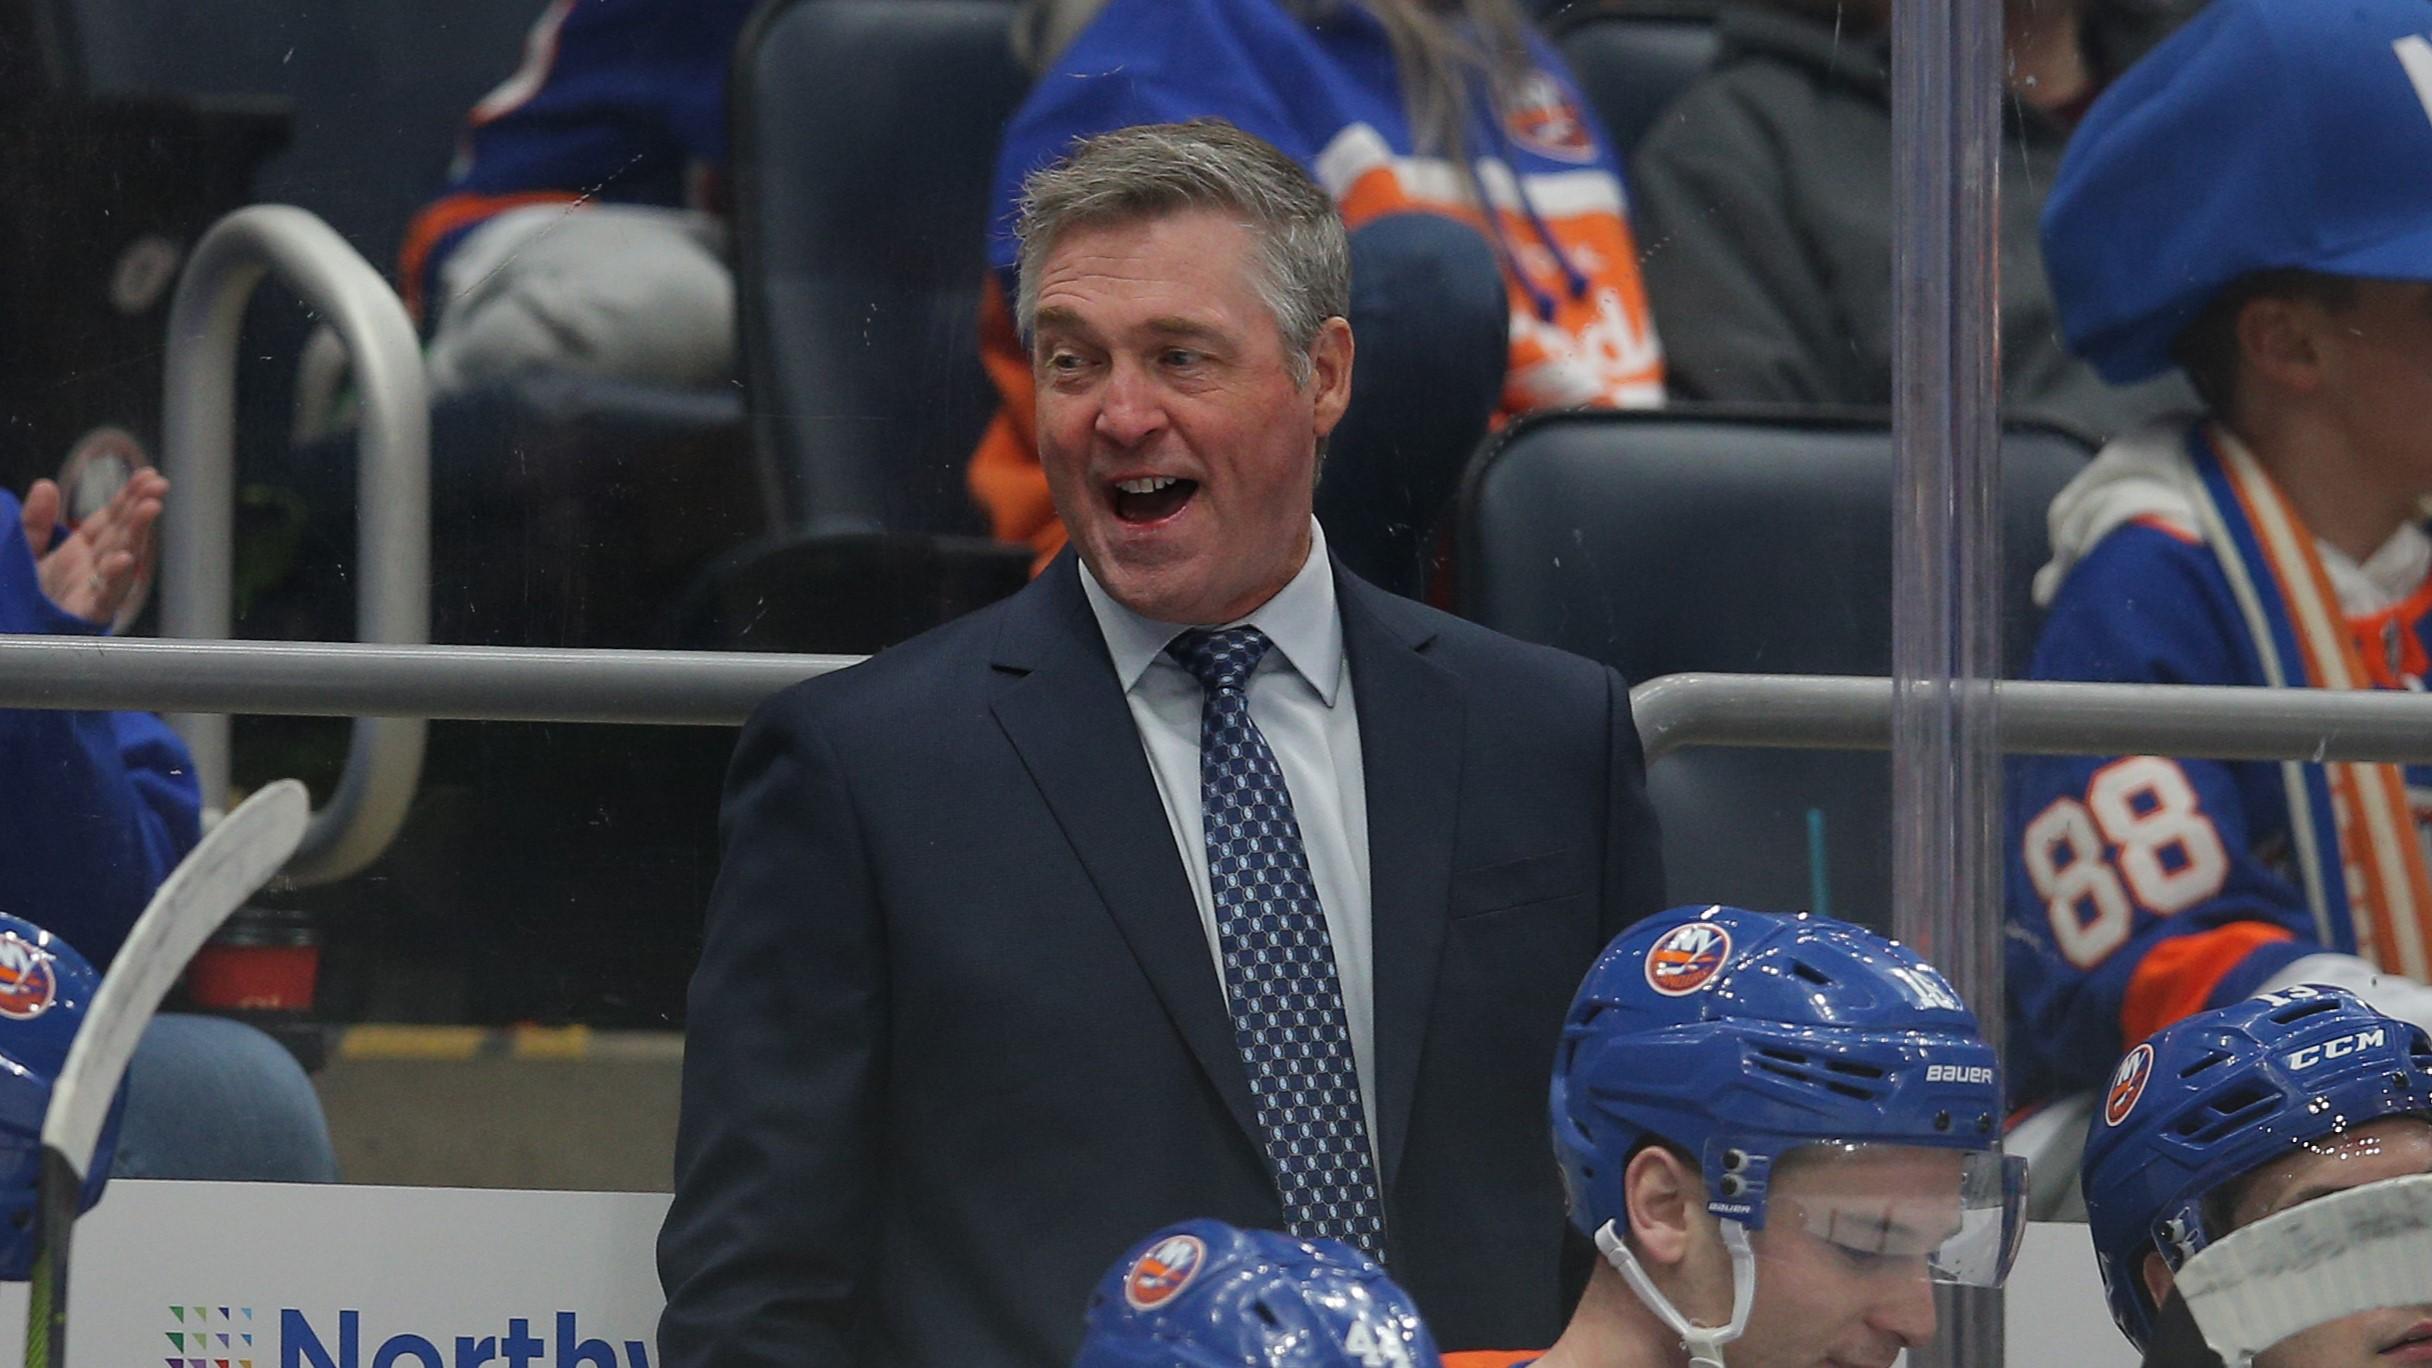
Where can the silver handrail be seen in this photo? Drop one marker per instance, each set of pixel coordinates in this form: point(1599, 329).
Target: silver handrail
point(344, 679)
point(384, 757)
point(2219, 722)
point(720, 688)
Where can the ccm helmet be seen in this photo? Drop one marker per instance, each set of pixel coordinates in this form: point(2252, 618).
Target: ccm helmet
point(2211, 1098)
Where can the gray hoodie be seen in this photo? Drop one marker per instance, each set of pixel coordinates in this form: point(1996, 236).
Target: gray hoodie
point(1763, 199)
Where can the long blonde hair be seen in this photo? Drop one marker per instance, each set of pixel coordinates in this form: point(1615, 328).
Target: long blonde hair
point(1436, 54)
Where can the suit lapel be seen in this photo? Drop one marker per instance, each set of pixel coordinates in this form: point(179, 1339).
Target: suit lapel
point(1410, 754)
point(1065, 715)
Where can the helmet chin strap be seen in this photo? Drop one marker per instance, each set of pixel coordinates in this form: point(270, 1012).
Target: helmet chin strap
point(1704, 1342)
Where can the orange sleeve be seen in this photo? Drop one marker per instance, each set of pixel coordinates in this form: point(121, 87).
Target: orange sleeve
point(444, 216)
point(2176, 978)
point(1492, 1358)
point(1005, 476)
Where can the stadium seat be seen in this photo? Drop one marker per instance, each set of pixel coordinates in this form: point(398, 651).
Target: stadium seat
point(865, 135)
point(1661, 543)
point(860, 200)
point(1633, 61)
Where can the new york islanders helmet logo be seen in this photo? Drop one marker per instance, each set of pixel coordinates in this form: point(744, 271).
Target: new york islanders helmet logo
point(1543, 118)
point(2128, 1084)
point(28, 983)
point(1686, 957)
point(1168, 1267)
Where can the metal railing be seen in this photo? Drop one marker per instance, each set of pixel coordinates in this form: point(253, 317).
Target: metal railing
point(333, 679)
point(2217, 722)
point(720, 688)
point(384, 759)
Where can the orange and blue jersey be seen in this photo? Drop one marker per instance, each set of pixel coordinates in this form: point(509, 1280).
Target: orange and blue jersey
point(616, 101)
point(2142, 888)
point(1325, 91)
point(1493, 1358)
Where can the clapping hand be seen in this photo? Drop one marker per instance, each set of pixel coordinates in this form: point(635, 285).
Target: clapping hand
point(91, 571)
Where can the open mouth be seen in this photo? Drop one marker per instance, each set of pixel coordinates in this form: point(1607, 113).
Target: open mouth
point(1151, 498)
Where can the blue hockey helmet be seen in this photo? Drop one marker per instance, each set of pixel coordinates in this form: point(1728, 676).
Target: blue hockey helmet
point(1741, 1036)
point(2211, 1098)
point(44, 988)
point(1204, 1294)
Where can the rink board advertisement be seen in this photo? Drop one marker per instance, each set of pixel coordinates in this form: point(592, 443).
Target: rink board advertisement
point(265, 1275)
point(268, 1275)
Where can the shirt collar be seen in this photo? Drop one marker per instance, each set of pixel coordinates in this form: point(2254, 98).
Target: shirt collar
point(2389, 576)
point(1301, 619)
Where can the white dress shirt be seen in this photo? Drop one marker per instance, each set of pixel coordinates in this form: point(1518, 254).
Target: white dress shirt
point(1300, 697)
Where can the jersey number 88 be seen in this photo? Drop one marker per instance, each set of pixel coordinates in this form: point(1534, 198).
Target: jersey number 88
point(2169, 856)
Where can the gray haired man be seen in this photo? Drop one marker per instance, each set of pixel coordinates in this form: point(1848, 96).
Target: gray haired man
point(1198, 879)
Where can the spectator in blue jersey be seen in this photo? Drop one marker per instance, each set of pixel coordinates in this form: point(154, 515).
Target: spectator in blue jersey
point(2229, 208)
point(100, 807)
point(1765, 199)
point(583, 225)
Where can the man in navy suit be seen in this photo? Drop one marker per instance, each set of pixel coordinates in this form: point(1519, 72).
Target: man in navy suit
point(1198, 879)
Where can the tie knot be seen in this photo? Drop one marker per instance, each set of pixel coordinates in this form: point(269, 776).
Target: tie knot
point(1219, 660)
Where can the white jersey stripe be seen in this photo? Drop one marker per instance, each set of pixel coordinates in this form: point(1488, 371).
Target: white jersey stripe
point(1360, 149)
point(540, 54)
point(2415, 54)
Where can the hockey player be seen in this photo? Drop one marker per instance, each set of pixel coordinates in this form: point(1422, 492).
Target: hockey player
point(1779, 1131)
point(1203, 1294)
point(2274, 540)
point(2246, 1113)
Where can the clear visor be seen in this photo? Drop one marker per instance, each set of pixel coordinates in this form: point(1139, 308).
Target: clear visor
point(1959, 1213)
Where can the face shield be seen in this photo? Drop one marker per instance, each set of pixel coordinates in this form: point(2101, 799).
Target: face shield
point(2345, 1254)
point(1960, 1214)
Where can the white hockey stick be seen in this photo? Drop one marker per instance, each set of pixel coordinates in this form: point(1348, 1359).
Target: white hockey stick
point(237, 857)
point(2334, 1256)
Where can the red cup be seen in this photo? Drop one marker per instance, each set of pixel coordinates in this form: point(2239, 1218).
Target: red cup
point(263, 960)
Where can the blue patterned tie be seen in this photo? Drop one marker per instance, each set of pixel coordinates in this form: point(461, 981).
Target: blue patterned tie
point(1288, 1019)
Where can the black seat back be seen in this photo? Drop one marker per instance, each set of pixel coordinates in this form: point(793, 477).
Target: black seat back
point(865, 136)
point(1633, 63)
point(1661, 543)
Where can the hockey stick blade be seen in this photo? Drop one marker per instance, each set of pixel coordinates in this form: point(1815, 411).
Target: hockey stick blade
point(234, 859)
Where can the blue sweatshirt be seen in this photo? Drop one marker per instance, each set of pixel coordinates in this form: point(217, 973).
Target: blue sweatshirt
point(95, 807)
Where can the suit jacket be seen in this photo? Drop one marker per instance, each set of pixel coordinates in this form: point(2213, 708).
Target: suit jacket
point(956, 1040)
